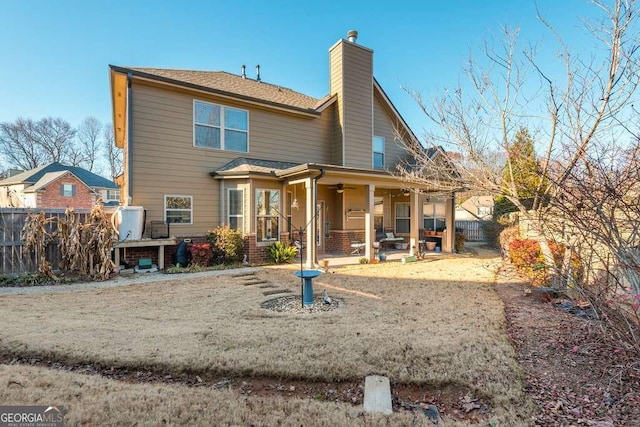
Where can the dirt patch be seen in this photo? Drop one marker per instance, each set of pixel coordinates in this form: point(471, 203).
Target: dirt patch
point(454, 402)
point(575, 373)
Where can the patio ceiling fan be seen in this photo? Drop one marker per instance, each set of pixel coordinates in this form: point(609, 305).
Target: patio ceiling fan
point(341, 187)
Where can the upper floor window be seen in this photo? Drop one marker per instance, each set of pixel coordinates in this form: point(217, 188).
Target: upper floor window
point(178, 209)
point(68, 190)
point(378, 152)
point(220, 127)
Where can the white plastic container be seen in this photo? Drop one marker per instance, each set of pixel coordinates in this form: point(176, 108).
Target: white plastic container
point(130, 222)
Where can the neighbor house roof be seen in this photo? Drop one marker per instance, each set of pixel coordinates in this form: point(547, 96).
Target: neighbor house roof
point(229, 84)
point(32, 176)
point(45, 180)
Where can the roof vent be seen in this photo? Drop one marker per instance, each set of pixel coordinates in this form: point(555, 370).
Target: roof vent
point(352, 36)
point(244, 71)
point(258, 73)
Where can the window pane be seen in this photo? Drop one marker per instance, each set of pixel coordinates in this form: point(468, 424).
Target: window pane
point(179, 217)
point(439, 210)
point(174, 202)
point(235, 223)
point(235, 141)
point(428, 224)
point(235, 202)
point(427, 209)
point(378, 161)
point(403, 210)
point(207, 137)
point(378, 144)
point(378, 206)
point(235, 119)
point(207, 114)
point(403, 226)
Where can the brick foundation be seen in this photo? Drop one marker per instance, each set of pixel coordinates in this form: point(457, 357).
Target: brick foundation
point(339, 241)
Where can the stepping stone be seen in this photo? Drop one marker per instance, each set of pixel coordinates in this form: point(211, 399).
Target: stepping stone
point(255, 282)
point(268, 285)
point(235, 276)
point(377, 395)
point(276, 291)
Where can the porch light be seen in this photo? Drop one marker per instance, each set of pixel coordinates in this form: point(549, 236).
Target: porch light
point(406, 192)
point(294, 203)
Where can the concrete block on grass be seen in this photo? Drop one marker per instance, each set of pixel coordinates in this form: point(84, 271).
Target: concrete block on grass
point(377, 395)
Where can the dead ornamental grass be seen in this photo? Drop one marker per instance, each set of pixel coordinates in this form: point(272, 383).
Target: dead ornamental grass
point(94, 401)
point(436, 322)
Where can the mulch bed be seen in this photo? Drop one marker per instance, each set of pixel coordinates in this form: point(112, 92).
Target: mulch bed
point(575, 372)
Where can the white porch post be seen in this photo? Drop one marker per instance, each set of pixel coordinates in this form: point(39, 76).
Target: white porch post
point(450, 223)
point(369, 232)
point(310, 240)
point(416, 216)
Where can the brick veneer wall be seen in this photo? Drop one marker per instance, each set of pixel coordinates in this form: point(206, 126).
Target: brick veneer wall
point(339, 241)
point(51, 197)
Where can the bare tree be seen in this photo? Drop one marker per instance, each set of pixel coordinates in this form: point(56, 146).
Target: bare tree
point(28, 144)
point(114, 154)
point(89, 142)
point(566, 115)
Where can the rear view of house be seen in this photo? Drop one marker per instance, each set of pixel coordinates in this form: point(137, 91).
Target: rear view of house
point(204, 148)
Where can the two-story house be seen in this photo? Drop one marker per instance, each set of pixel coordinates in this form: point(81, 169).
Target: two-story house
point(55, 185)
point(205, 148)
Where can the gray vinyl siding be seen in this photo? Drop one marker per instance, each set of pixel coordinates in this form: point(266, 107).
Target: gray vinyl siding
point(166, 162)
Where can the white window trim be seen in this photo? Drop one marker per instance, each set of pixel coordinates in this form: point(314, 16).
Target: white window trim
point(229, 216)
point(189, 210)
point(373, 152)
point(396, 217)
point(64, 190)
point(258, 216)
point(221, 127)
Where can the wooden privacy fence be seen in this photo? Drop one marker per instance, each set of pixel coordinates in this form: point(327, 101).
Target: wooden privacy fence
point(12, 261)
point(472, 230)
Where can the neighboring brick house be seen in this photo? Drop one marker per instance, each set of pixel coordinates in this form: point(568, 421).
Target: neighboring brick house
point(206, 148)
point(57, 186)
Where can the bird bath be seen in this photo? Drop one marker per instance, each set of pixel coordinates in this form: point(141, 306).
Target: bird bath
point(307, 291)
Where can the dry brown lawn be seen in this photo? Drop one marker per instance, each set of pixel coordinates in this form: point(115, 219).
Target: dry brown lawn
point(436, 323)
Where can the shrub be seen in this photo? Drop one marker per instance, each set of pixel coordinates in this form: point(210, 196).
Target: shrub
point(201, 253)
point(364, 260)
point(526, 256)
point(227, 244)
point(281, 253)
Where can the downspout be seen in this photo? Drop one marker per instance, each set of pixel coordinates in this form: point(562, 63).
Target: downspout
point(129, 138)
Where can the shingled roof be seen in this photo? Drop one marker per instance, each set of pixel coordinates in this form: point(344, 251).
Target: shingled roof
point(244, 165)
point(230, 85)
point(34, 175)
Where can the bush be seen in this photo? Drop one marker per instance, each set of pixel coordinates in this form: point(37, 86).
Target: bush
point(364, 260)
point(227, 244)
point(281, 253)
point(526, 256)
point(201, 254)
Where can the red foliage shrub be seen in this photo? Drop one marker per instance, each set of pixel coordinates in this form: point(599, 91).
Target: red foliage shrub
point(201, 253)
point(527, 257)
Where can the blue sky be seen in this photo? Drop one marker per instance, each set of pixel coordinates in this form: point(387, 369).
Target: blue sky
point(56, 53)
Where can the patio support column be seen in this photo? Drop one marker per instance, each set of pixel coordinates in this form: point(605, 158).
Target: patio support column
point(310, 220)
point(369, 232)
point(450, 223)
point(416, 216)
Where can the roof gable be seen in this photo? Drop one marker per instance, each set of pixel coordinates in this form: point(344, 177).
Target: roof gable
point(34, 175)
